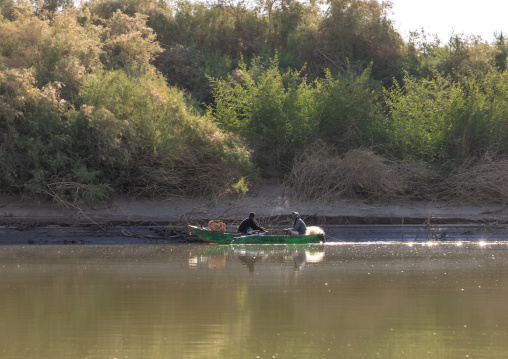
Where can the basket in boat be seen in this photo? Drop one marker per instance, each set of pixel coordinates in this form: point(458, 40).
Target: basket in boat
point(217, 226)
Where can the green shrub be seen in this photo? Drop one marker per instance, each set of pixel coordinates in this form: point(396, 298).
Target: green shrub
point(349, 112)
point(34, 140)
point(158, 145)
point(272, 111)
point(440, 120)
point(278, 114)
point(131, 134)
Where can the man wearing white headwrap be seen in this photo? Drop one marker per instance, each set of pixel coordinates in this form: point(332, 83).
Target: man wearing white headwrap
point(299, 226)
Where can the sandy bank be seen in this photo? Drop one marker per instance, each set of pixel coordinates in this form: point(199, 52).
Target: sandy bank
point(137, 221)
point(269, 201)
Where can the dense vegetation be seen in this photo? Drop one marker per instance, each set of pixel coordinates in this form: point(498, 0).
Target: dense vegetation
point(151, 97)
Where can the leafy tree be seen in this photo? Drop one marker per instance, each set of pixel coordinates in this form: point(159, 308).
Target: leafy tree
point(157, 141)
point(460, 56)
point(349, 112)
point(438, 120)
point(271, 110)
point(129, 43)
point(58, 50)
point(34, 142)
point(183, 68)
point(353, 33)
point(280, 113)
point(50, 6)
point(68, 51)
point(502, 48)
point(415, 53)
point(104, 9)
point(11, 10)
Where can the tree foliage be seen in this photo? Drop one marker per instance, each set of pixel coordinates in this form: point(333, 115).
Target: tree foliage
point(439, 120)
point(280, 113)
point(267, 108)
point(83, 112)
point(129, 43)
point(153, 97)
point(33, 147)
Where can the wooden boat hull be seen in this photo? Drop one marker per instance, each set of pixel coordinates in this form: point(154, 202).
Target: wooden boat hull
point(210, 236)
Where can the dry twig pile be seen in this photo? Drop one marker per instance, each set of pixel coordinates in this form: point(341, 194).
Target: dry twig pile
point(319, 174)
point(475, 182)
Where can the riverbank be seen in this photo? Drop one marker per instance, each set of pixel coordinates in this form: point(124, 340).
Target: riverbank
point(135, 220)
point(269, 201)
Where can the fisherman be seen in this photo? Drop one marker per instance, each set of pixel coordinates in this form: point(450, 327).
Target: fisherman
point(249, 223)
point(299, 227)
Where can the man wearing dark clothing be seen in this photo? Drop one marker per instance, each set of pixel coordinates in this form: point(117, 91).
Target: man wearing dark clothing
point(249, 223)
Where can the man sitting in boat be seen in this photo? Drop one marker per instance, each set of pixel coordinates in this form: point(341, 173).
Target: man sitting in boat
point(249, 223)
point(299, 227)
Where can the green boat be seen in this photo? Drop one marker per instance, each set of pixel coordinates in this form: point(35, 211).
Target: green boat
point(207, 235)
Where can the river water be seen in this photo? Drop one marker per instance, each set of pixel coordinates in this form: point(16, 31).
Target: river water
point(338, 300)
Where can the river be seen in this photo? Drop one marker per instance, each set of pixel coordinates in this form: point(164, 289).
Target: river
point(338, 300)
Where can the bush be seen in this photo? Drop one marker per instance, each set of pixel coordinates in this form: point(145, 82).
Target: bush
point(37, 148)
point(280, 113)
point(58, 50)
point(129, 43)
point(158, 145)
point(439, 120)
point(131, 135)
point(349, 112)
point(272, 111)
point(34, 141)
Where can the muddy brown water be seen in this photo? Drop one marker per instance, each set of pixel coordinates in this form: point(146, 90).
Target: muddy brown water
point(339, 300)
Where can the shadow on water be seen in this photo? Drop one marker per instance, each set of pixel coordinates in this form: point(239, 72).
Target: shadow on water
point(417, 233)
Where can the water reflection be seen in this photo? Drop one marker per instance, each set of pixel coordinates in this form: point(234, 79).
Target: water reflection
point(217, 256)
